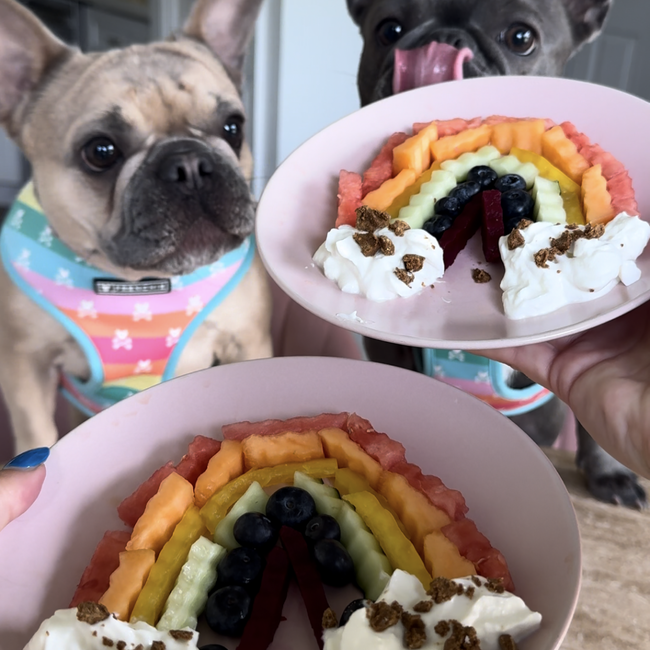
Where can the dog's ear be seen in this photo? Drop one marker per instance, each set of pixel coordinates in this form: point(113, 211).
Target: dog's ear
point(587, 17)
point(357, 9)
point(226, 27)
point(28, 50)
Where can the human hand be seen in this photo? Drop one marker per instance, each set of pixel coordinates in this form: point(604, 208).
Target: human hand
point(603, 374)
point(20, 483)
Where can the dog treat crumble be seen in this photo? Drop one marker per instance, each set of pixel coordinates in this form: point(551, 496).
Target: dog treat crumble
point(181, 635)
point(158, 645)
point(405, 276)
point(120, 645)
point(415, 633)
point(561, 245)
point(399, 227)
point(462, 638)
point(442, 589)
point(382, 615)
point(386, 246)
point(442, 628)
point(495, 585)
point(370, 220)
point(329, 619)
point(515, 239)
point(506, 642)
point(107, 642)
point(413, 262)
point(480, 276)
point(423, 606)
point(368, 243)
point(91, 613)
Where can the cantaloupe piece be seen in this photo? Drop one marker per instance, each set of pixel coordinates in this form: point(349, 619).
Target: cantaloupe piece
point(523, 134)
point(596, 200)
point(403, 199)
point(443, 559)
point(164, 510)
point(415, 153)
point(381, 198)
point(563, 154)
point(126, 582)
point(289, 447)
point(453, 146)
point(225, 465)
point(415, 511)
point(337, 444)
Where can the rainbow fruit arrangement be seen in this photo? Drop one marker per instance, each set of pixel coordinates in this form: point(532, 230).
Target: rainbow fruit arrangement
point(454, 177)
point(346, 507)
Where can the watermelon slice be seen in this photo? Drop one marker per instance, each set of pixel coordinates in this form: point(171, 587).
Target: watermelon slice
point(464, 227)
point(381, 168)
point(241, 430)
point(473, 545)
point(198, 455)
point(386, 451)
point(133, 506)
point(105, 559)
point(349, 198)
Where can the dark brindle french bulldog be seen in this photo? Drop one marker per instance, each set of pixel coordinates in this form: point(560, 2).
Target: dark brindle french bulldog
point(141, 171)
point(411, 43)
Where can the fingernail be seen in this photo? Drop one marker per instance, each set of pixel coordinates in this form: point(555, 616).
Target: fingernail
point(29, 459)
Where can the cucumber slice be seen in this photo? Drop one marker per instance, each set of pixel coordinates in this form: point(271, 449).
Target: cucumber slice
point(549, 205)
point(328, 501)
point(253, 500)
point(190, 593)
point(512, 165)
point(420, 207)
point(460, 166)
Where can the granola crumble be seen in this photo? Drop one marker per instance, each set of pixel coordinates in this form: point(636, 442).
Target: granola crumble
point(181, 635)
point(515, 239)
point(91, 613)
point(415, 634)
point(107, 642)
point(413, 262)
point(495, 585)
point(442, 589)
point(399, 227)
point(480, 276)
point(158, 645)
point(329, 619)
point(386, 246)
point(370, 220)
point(423, 606)
point(405, 276)
point(382, 615)
point(506, 642)
point(368, 243)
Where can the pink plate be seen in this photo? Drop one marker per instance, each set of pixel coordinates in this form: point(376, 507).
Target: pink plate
point(298, 208)
point(514, 494)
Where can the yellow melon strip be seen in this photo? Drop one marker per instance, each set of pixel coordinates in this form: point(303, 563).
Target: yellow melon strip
point(164, 510)
point(596, 200)
point(126, 582)
point(225, 465)
point(415, 153)
point(452, 146)
point(289, 447)
point(383, 196)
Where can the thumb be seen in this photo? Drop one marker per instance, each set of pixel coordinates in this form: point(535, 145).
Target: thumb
point(19, 488)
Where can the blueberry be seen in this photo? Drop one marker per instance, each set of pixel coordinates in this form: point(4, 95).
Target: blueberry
point(465, 191)
point(255, 530)
point(333, 562)
point(437, 225)
point(322, 527)
point(448, 206)
point(516, 205)
point(291, 506)
point(227, 610)
point(353, 607)
point(509, 182)
point(241, 567)
point(483, 175)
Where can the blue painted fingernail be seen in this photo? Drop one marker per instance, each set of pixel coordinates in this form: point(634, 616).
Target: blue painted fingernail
point(29, 459)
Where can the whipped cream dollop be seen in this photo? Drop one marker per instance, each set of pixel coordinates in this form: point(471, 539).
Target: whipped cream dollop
point(478, 604)
point(588, 269)
point(65, 631)
point(383, 275)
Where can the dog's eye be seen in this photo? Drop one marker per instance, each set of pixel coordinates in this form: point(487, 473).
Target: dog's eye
point(100, 154)
point(520, 39)
point(389, 31)
point(233, 132)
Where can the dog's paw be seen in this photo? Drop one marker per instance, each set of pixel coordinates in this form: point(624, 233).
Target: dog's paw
point(620, 487)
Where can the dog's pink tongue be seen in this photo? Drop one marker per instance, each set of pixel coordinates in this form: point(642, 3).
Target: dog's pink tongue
point(428, 65)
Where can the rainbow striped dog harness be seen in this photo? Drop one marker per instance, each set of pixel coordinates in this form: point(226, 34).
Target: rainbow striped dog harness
point(131, 333)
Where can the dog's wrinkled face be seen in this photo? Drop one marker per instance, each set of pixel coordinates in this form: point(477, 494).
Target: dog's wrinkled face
point(412, 43)
point(138, 155)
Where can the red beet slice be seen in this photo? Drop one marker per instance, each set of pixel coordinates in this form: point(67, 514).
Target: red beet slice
point(309, 582)
point(491, 224)
point(105, 559)
point(267, 607)
point(455, 238)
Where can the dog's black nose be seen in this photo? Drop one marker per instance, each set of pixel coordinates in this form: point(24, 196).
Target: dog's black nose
point(188, 170)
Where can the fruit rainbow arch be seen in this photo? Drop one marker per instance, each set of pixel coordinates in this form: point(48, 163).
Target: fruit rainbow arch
point(419, 524)
point(594, 185)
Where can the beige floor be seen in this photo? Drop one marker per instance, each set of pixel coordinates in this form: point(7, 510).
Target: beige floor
point(613, 612)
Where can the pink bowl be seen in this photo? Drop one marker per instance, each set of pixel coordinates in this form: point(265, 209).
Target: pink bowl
point(514, 494)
